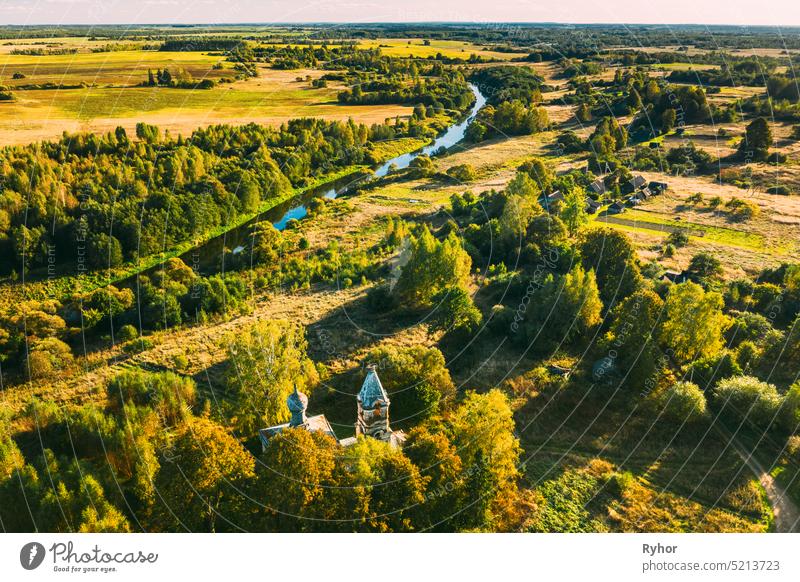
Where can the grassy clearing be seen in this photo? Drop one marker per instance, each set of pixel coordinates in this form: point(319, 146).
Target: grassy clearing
point(725, 236)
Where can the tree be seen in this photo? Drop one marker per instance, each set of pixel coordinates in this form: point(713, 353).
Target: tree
point(583, 113)
point(668, 119)
point(523, 185)
point(694, 322)
point(417, 380)
point(704, 267)
point(378, 488)
point(757, 141)
point(482, 430)
point(266, 362)
point(201, 483)
point(431, 267)
point(462, 173)
point(294, 476)
point(438, 462)
point(517, 215)
point(569, 307)
point(613, 258)
point(634, 334)
point(454, 311)
point(747, 397)
point(790, 410)
point(683, 402)
point(573, 211)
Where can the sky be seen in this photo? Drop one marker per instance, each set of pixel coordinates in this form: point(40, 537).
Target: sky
point(739, 12)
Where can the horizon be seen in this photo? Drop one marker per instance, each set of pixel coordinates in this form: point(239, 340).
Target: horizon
point(781, 14)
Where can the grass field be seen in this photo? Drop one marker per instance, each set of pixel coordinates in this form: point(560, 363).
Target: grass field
point(270, 99)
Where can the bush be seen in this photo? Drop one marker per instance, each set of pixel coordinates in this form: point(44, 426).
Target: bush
point(791, 409)
point(682, 402)
point(49, 355)
point(462, 173)
point(706, 371)
point(748, 398)
point(127, 333)
point(678, 238)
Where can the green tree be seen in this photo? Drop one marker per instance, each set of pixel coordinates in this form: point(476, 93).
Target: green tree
point(432, 266)
point(613, 258)
point(757, 140)
point(694, 322)
point(266, 362)
point(454, 311)
point(634, 334)
point(573, 210)
point(417, 380)
point(704, 267)
point(668, 119)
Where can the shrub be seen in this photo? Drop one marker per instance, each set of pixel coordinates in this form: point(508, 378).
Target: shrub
point(682, 402)
point(462, 173)
point(678, 238)
point(747, 398)
point(49, 355)
point(127, 333)
point(791, 408)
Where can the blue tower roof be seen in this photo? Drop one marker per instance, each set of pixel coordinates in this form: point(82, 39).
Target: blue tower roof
point(372, 389)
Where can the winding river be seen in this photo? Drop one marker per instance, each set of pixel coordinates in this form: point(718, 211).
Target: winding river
point(210, 254)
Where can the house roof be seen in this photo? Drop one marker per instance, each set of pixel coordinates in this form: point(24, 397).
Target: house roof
point(598, 186)
point(318, 423)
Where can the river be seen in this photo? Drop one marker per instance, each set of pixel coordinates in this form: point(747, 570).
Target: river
point(210, 254)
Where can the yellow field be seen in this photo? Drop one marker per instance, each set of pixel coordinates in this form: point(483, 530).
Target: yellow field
point(415, 47)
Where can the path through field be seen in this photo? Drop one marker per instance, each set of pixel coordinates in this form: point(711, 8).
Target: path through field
point(786, 512)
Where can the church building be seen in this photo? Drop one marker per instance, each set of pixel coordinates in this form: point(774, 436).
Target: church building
point(372, 415)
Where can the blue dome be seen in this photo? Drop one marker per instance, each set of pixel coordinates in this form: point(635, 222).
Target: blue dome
point(372, 390)
point(297, 401)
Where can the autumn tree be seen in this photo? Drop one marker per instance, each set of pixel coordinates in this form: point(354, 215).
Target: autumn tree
point(294, 476)
point(482, 430)
point(200, 485)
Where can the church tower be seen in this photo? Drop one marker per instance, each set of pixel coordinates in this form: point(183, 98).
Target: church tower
point(373, 408)
point(297, 402)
